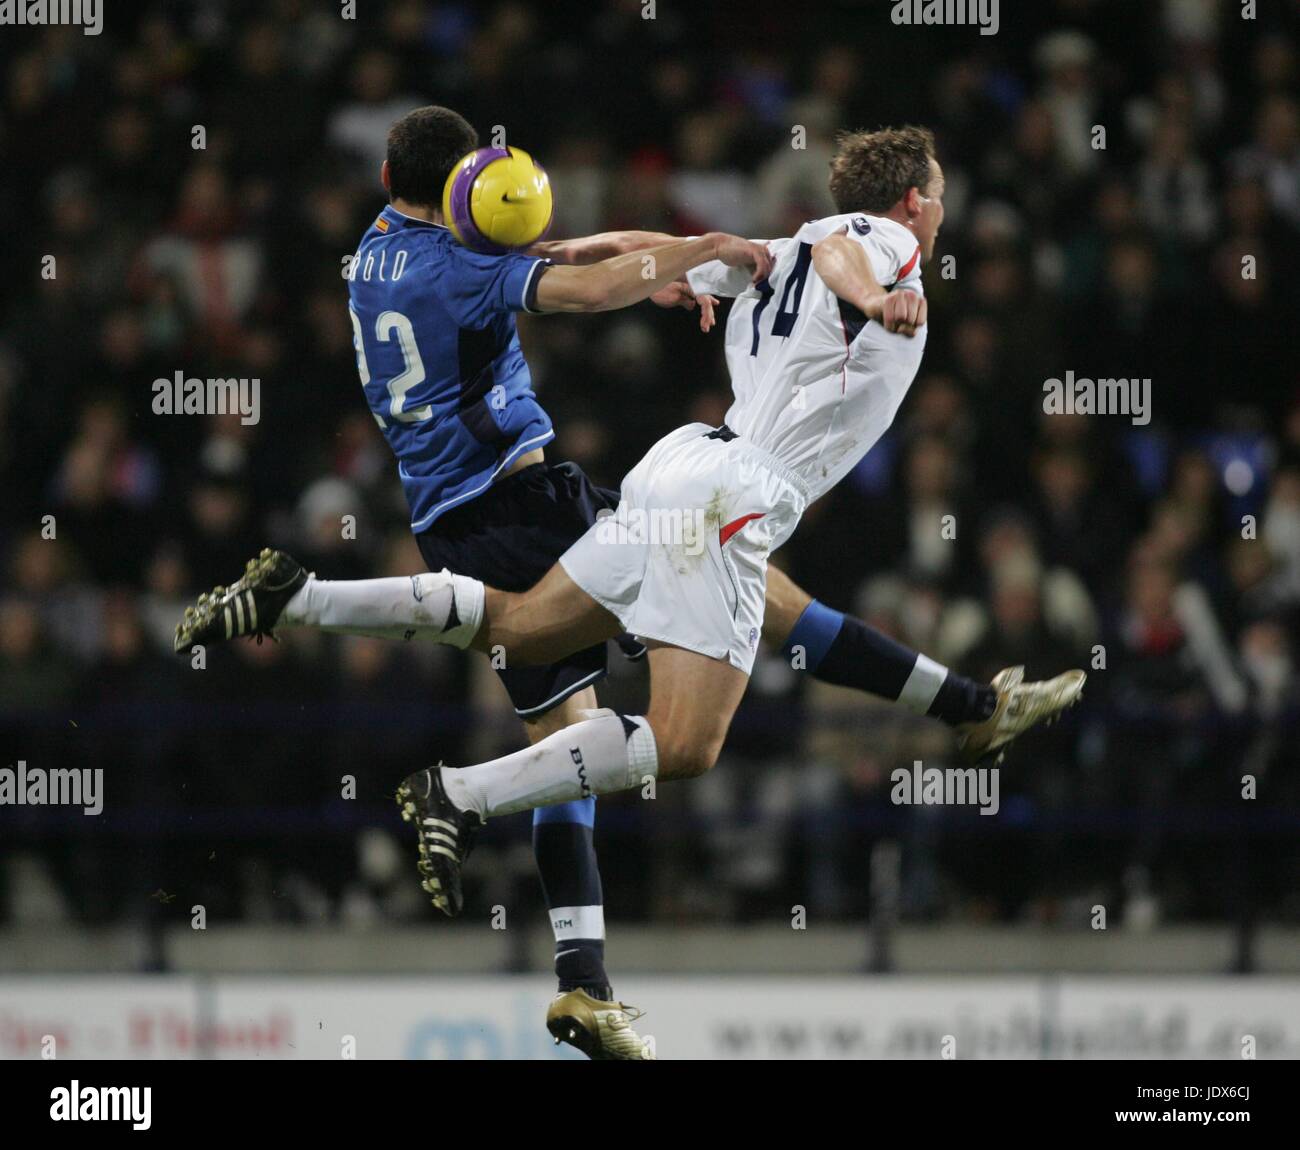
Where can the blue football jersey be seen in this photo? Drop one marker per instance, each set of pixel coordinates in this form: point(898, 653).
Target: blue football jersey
point(434, 329)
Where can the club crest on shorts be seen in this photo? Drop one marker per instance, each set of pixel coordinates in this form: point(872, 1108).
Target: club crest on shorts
point(753, 638)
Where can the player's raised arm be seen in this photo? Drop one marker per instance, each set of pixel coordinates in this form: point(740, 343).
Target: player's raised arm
point(602, 246)
point(845, 268)
point(605, 245)
point(627, 279)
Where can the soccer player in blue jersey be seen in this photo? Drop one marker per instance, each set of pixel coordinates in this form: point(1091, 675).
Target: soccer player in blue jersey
point(439, 357)
point(443, 373)
point(440, 362)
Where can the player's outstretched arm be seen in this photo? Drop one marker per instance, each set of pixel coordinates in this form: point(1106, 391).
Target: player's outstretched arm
point(630, 278)
point(605, 245)
point(602, 246)
point(844, 268)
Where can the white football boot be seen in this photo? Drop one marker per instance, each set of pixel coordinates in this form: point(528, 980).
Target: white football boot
point(1020, 706)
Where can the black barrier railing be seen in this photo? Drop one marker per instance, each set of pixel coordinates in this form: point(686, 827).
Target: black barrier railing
point(188, 721)
point(157, 757)
point(30, 824)
point(763, 716)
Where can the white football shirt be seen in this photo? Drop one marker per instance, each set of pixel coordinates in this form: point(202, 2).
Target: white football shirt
point(815, 383)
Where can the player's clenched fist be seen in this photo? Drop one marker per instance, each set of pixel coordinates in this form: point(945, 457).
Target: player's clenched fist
point(902, 312)
point(738, 253)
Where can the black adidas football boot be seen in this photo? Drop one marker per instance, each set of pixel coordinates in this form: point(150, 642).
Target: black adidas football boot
point(249, 606)
point(446, 836)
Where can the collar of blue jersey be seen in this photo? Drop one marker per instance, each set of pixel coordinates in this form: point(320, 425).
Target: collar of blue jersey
point(400, 220)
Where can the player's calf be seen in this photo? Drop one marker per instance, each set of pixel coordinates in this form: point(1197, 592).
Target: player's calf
point(275, 591)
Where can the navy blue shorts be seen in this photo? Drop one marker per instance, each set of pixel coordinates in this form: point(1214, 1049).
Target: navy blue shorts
point(509, 537)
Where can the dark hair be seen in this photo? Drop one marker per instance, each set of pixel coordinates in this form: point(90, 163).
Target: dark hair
point(872, 171)
point(423, 147)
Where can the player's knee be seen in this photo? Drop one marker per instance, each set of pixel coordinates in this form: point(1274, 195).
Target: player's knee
point(697, 761)
point(686, 758)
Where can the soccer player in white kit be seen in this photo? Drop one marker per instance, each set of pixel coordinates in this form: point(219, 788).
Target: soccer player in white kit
point(815, 386)
point(821, 355)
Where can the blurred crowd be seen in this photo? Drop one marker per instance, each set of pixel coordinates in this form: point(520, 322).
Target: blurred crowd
point(180, 194)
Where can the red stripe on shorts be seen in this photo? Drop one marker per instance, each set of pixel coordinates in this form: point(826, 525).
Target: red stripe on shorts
point(735, 525)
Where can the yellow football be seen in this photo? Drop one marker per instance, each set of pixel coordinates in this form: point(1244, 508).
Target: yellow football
point(497, 200)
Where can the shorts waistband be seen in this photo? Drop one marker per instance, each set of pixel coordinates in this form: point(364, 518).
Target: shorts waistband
point(770, 461)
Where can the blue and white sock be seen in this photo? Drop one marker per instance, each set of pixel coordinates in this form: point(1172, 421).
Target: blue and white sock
point(566, 863)
point(841, 649)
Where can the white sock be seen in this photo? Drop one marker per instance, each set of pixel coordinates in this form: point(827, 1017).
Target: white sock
point(603, 753)
point(403, 607)
point(922, 684)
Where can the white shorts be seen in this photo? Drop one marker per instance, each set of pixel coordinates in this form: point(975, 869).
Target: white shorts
point(684, 558)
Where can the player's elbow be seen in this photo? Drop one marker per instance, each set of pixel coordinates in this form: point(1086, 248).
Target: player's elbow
point(831, 257)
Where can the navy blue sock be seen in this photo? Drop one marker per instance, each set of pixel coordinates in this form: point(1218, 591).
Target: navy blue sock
point(841, 649)
point(566, 862)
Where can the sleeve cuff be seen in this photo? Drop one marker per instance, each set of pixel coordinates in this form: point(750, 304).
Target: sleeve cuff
point(535, 274)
